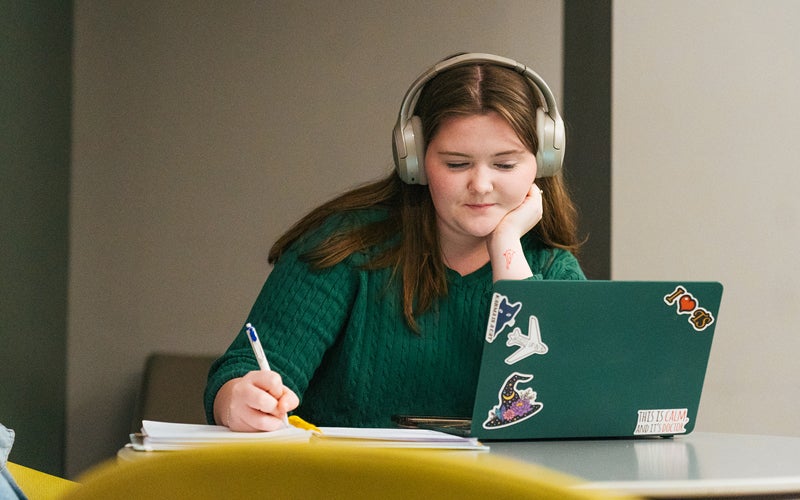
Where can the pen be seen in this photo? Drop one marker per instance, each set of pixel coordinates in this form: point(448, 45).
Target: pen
point(258, 350)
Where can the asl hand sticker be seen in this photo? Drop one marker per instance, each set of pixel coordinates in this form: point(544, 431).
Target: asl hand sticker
point(685, 303)
point(514, 405)
point(503, 313)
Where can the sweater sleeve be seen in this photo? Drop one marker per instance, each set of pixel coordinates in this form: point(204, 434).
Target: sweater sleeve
point(555, 264)
point(298, 314)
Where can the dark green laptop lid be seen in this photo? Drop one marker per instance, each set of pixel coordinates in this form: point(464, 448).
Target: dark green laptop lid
point(572, 359)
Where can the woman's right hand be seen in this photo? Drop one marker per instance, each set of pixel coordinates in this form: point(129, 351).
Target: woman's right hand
point(257, 401)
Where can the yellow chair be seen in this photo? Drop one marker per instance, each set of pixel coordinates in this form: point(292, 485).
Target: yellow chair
point(289, 470)
point(39, 485)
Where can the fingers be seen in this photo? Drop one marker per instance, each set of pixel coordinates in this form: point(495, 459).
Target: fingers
point(250, 420)
point(537, 196)
point(529, 213)
point(288, 402)
point(259, 402)
point(534, 190)
point(268, 381)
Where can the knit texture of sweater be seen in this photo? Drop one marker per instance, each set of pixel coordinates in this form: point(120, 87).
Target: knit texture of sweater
point(340, 341)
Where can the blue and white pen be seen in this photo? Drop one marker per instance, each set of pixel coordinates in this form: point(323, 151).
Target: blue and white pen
point(258, 350)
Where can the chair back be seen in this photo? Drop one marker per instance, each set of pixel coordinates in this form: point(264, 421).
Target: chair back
point(38, 485)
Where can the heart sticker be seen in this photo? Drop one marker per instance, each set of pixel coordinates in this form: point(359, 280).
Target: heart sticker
point(686, 304)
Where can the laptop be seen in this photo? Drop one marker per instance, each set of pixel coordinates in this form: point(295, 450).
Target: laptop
point(594, 359)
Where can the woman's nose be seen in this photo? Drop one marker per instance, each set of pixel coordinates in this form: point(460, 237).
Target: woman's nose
point(481, 180)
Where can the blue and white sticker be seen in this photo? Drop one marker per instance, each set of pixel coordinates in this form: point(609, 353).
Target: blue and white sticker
point(501, 314)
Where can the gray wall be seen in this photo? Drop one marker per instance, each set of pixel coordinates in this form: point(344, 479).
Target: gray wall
point(35, 80)
point(202, 132)
point(705, 173)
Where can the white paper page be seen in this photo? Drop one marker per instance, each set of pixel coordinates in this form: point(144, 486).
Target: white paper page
point(390, 434)
point(176, 432)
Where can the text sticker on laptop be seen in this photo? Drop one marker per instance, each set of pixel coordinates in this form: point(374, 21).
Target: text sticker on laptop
point(503, 313)
point(685, 303)
point(661, 422)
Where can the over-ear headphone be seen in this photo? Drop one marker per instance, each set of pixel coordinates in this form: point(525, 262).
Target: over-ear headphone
point(408, 143)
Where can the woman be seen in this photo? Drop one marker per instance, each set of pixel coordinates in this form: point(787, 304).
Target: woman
point(379, 298)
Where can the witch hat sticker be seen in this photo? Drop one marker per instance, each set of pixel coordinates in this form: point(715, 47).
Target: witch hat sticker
point(514, 404)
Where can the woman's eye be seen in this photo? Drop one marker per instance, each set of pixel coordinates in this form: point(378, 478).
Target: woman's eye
point(505, 166)
point(456, 165)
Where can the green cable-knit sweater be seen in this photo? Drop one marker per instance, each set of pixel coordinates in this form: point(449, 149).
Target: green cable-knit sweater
point(339, 339)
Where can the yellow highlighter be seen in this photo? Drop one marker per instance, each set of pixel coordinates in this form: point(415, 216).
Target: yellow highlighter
point(298, 422)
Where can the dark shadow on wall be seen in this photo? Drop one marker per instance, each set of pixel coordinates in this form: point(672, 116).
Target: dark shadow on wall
point(587, 112)
point(35, 142)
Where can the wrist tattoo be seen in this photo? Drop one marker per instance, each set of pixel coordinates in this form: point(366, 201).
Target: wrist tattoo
point(509, 255)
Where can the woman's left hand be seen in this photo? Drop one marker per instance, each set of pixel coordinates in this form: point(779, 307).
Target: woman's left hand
point(504, 244)
point(523, 218)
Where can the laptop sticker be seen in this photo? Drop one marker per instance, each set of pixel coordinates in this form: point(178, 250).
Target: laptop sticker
point(668, 421)
point(529, 344)
point(685, 303)
point(502, 314)
point(514, 405)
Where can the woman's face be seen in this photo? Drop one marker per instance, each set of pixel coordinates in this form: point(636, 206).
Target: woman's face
point(478, 170)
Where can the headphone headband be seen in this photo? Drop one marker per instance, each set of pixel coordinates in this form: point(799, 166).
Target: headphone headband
point(407, 139)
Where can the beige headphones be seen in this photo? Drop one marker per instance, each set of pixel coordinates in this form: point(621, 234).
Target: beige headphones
point(408, 144)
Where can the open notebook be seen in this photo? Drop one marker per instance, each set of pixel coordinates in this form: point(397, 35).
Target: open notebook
point(588, 359)
point(164, 436)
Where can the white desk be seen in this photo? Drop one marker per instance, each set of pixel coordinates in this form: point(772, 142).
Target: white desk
point(698, 465)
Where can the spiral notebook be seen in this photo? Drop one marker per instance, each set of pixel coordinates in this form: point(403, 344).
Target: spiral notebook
point(594, 359)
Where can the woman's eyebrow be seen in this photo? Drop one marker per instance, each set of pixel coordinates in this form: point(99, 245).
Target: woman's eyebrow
point(501, 153)
point(452, 153)
point(510, 152)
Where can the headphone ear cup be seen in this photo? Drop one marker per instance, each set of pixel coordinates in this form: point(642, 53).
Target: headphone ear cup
point(409, 152)
point(418, 147)
point(550, 134)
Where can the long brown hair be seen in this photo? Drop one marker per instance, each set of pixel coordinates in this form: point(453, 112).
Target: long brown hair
point(417, 259)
